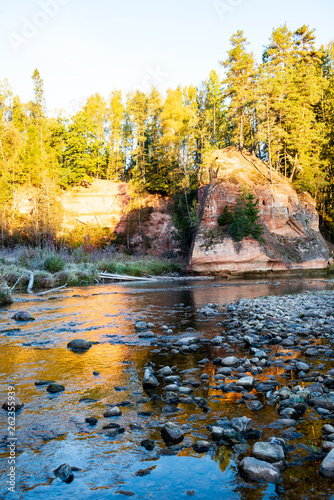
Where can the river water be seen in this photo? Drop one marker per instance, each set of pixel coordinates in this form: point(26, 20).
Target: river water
point(51, 429)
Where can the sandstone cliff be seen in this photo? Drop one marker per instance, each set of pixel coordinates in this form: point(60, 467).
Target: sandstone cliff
point(290, 221)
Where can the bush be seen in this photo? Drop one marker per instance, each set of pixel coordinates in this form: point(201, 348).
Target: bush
point(226, 217)
point(246, 218)
point(5, 295)
point(54, 263)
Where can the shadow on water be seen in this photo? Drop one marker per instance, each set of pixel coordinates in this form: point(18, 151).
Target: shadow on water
point(51, 429)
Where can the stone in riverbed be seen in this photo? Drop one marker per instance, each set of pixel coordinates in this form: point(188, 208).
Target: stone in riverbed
point(54, 388)
point(242, 424)
point(171, 433)
point(78, 345)
point(12, 404)
point(23, 316)
point(187, 341)
point(149, 380)
point(146, 335)
point(302, 367)
point(64, 472)
point(258, 470)
point(148, 444)
point(44, 382)
point(254, 405)
point(268, 452)
point(91, 420)
point(327, 465)
point(113, 412)
point(246, 382)
point(229, 361)
point(201, 446)
point(140, 326)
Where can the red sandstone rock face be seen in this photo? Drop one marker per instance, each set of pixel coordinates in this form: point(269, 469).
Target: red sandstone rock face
point(290, 221)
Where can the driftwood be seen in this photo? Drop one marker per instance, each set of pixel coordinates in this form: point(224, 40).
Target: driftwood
point(58, 289)
point(31, 282)
point(17, 281)
point(123, 277)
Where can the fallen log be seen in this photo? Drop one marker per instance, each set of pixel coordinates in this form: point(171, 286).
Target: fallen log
point(123, 277)
point(58, 289)
point(31, 282)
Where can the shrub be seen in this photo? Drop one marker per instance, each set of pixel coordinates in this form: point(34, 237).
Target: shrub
point(246, 218)
point(226, 217)
point(5, 295)
point(54, 263)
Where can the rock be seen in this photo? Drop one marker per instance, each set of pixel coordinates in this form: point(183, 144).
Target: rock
point(268, 452)
point(187, 341)
point(140, 326)
point(148, 444)
point(64, 472)
point(150, 325)
point(149, 380)
point(229, 361)
point(327, 465)
point(44, 382)
point(54, 388)
point(324, 401)
point(143, 472)
point(23, 316)
point(201, 446)
point(113, 412)
point(12, 403)
point(91, 420)
point(171, 433)
point(207, 311)
point(166, 371)
point(302, 367)
point(78, 345)
point(258, 470)
point(146, 335)
point(312, 352)
point(254, 405)
point(328, 429)
point(246, 382)
point(242, 424)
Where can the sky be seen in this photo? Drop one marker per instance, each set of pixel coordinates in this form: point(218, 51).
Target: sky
point(81, 47)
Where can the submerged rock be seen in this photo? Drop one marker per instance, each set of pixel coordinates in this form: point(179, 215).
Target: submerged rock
point(149, 380)
point(148, 444)
point(54, 388)
point(64, 472)
point(201, 446)
point(268, 452)
point(113, 412)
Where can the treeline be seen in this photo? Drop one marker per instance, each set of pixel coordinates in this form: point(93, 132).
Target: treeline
point(281, 109)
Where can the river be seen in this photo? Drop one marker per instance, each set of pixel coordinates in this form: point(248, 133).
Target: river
point(51, 428)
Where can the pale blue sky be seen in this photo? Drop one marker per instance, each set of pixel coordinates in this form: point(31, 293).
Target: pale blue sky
point(85, 46)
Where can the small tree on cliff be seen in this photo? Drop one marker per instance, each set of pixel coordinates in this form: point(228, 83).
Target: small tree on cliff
point(246, 216)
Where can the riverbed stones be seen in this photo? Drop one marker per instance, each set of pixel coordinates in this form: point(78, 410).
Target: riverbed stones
point(327, 465)
point(148, 444)
point(91, 420)
point(23, 316)
point(55, 388)
point(187, 341)
point(65, 473)
point(229, 361)
point(269, 452)
point(79, 345)
point(140, 326)
point(146, 335)
point(171, 433)
point(39, 383)
point(113, 412)
point(201, 446)
point(246, 382)
point(149, 380)
point(259, 470)
point(242, 424)
point(12, 403)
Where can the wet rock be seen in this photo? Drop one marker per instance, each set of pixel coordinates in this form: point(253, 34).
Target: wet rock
point(143, 472)
point(91, 420)
point(78, 345)
point(230, 361)
point(269, 452)
point(148, 444)
point(254, 405)
point(187, 341)
point(242, 424)
point(96, 374)
point(12, 403)
point(54, 388)
point(302, 367)
point(259, 470)
point(125, 493)
point(115, 432)
point(150, 325)
point(166, 371)
point(246, 382)
point(113, 412)
point(312, 352)
point(207, 311)
point(328, 429)
point(44, 382)
point(23, 316)
point(171, 433)
point(140, 326)
point(135, 427)
point(327, 465)
point(146, 335)
point(201, 446)
point(324, 401)
point(149, 380)
point(120, 388)
point(64, 472)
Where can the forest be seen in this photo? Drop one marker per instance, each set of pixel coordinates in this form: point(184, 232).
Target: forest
point(279, 108)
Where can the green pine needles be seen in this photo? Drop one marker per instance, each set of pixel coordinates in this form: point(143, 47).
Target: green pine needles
point(244, 220)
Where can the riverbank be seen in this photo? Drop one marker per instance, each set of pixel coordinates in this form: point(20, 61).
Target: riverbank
point(53, 268)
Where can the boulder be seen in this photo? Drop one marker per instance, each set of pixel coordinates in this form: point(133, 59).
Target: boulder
point(113, 412)
point(171, 433)
point(149, 380)
point(64, 472)
point(12, 403)
point(201, 446)
point(242, 424)
point(246, 382)
point(258, 470)
point(229, 361)
point(140, 326)
point(327, 465)
point(268, 452)
point(54, 388)
point(23, 316)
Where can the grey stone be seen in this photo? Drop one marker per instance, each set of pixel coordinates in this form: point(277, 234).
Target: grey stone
point(149, 380)
point(54, 388)
point(113, 412)
point(327, 465)
point(23, 316)
point(12, 403)
point(64, 472)
point(79, 345)
point(201, 446)
point(229, 361)
point(171, 433)
point(269, 452)
point(242, 424)
point(258, 470)
point(140, 326)
point(246, 382)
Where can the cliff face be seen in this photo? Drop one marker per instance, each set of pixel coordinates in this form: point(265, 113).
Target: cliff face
point(290, 221)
